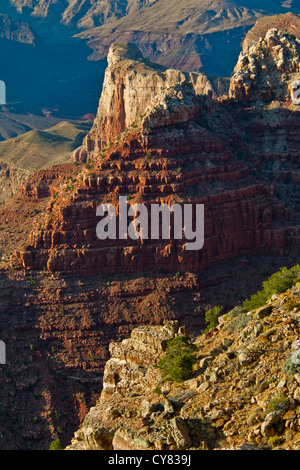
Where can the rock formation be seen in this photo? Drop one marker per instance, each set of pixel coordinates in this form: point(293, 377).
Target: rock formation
point(288, 23)
point(14, 30)
point(191, 30)
point(64, 294)
point(131, 86)
point(22, 156)
point(243, 394)
point(172, 142)
point(266, 69)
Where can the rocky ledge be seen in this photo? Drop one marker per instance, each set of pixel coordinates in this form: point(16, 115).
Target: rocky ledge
point(267, 68)
point(243, 393)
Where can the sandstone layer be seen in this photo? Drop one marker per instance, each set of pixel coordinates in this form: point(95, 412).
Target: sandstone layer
point(65, 295)
point(162, 136)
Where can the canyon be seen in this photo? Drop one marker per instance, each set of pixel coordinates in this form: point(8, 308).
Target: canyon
point(37, 149)
point(160, 135)
point(38, 39)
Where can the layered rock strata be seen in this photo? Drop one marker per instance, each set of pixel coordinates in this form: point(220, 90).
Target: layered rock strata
point(131, 86)
point(239, 158)
point(171, 142)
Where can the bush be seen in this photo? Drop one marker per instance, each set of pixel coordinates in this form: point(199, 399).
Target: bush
point(291, 303)
point(235, 312)
point(239, 322)
point(275, 441)
point(278, 283)
point(211, 318)
point(177, 364)
point(56, 445)
point(278, 403)
point(289, 367)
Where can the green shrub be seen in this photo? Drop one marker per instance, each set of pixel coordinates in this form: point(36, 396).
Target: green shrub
point(291, 303)
point(275, 441)
point(239, 322)
point(235, 312)
point(177, 364)
point(289, 367)
point(56, 445)
point(279, 403)
point(211, 318)
point(278, 283)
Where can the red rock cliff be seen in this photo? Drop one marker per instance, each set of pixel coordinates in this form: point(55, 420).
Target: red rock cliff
point(169, 142)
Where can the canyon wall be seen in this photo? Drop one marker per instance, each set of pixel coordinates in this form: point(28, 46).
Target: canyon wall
point(65, 294)
point(163, 136)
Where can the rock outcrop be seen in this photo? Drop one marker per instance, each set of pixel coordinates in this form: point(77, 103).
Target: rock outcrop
point(14, 30)
point(244, 392)
point(168, 141)
point(11, 179)
point(267, 68)
point(288, 23)
point(132, 87)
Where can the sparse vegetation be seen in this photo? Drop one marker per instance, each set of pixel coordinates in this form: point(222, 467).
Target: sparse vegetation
point(291, 303)
point(279, 403)
point(177, 364)
point(289, 367)
point(89, 165)
point(278, 283)
point(56, 445)
point(275, 441)
point(239, 322)
point(211, 318)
